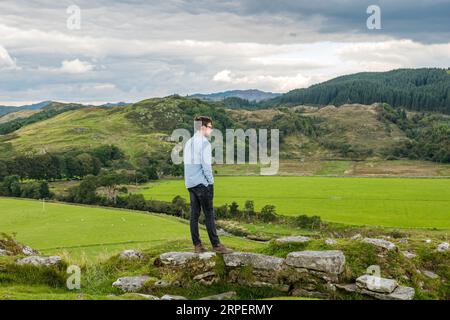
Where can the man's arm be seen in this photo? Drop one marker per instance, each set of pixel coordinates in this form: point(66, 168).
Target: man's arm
point(206, 161)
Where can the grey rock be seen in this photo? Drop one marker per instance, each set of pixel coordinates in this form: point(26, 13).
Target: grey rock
point(430, 274)
point(140, 295)
point(205, 275)
point(329, 261)
point(220, 296)
point(131, 255)
point(221, 232)
point(28, 251)
point(442, 247)
point(172, 297)
point(356, 237)
point(380, 243)
point(130, 284)
point(165, 283)
point(399, 293)
point(4, 252)
point(409, 255)
point(257, 261)
point(40, 261)
point(181, 258)
point(402, 293)
point(330, 241)
point(350, 287)
point(376, 284)
point(292, 239)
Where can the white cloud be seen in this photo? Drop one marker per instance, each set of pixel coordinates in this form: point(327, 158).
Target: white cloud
point(268, 82)
point(6, 62)
point(76, 66)
point(237, 45)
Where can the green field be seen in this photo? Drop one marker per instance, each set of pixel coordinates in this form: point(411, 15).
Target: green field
point(94, 232)
point(390, 202)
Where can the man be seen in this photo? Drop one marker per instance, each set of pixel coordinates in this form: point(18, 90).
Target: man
point(200, 183)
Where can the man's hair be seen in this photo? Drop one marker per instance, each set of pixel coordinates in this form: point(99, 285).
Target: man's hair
point(202, 121)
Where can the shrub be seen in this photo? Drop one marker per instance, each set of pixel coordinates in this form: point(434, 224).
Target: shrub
point(268, 213)
point(304, 221)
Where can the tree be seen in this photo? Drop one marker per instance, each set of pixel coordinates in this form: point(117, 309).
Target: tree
point(136, 202)
point(180, 206)
point(249, 209)
point(85, 192)
point(234, 211)
point(111, 181)
point(11, 186)
point(268, 213)
point(3, 170)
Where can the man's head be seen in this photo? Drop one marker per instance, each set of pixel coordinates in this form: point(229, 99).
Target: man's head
point(203, 125)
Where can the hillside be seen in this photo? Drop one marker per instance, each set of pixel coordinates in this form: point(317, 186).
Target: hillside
point(414, 89)
point(8, 109)
point(17, 115)
point(141, 130)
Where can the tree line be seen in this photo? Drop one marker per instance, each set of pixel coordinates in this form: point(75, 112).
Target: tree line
point(426, 89)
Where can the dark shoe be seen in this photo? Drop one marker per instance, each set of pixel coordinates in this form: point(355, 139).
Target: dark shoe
point(199, 249)
point(222, 249)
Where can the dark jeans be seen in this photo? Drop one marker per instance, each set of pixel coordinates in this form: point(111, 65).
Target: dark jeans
point(201, 197)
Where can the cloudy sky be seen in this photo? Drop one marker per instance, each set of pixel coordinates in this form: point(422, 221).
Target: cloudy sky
point(134, 49)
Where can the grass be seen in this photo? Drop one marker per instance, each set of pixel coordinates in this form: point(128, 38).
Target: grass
point(88, 232)
point(387, 202)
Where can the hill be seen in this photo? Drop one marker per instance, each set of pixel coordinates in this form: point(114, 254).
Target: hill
point(426, 89)
point(250, 95)
point(8, 109)
point(142, 130)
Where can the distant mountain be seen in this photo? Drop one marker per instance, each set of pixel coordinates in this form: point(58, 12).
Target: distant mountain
point(8, 109)
point(115, 104)
point(426, 89)
point(250, 95)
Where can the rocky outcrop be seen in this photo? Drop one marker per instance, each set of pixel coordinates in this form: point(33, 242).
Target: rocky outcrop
point(301, 273)
point(253, 269)
point(131, 284)
point(376, 284)
point(399, 293)
point(131, 255)
point(330, 242)
point(40, 261)
point(381, 243)
point(194, 264)
point(379, 288)
point(184, 258)
point(329, 261)
point(255, 260)
point(292, 239)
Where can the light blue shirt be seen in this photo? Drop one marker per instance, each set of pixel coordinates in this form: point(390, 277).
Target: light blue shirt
point(197, 158)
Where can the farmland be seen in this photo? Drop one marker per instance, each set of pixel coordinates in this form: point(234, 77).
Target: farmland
point(389, 202)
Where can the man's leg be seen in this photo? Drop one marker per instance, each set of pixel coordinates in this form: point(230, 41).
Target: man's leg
point(195, 213)
point(206, 201)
